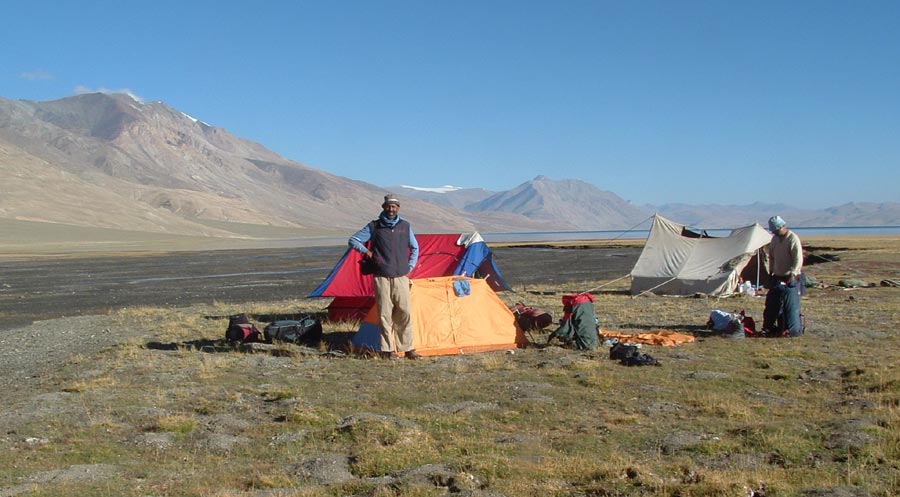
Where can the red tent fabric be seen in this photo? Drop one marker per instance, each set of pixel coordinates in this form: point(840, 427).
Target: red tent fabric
point(439, 255)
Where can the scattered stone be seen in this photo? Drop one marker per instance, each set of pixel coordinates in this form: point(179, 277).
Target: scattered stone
point(528, 391)
point(705, 375)
point(516, 439)
point(352, 420)
point(836, 492)
point(79, 472)
point(325, 469)
point(851, 435)
point(732, 461)
point(287, 438)
point(678, 441)
point(439, 475)
point(228, 422)
point(820, 375)
point(769, 398)
point(222, 443)
point(658, 408)
point(461, 407)
point(858, 404)
point(156, 440)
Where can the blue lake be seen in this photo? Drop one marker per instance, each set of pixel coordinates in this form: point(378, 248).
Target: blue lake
point(560, 236)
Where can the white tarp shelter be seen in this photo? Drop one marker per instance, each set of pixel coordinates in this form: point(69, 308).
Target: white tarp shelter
point(679, 261)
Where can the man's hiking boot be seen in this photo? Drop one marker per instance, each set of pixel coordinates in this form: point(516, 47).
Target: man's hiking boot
point(412, 354)
point(390, 355)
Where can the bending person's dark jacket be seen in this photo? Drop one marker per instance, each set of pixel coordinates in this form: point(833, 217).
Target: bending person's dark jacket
point(580, 330)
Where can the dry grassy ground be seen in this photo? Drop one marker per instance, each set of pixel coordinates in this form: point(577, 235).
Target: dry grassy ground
point(175, 412)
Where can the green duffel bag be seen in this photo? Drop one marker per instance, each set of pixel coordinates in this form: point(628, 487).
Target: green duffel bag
point(306, 331)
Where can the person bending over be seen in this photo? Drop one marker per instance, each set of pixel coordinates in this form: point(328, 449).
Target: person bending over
point(785, 262)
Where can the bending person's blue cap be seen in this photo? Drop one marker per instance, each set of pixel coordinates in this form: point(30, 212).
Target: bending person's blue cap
point(776, 223)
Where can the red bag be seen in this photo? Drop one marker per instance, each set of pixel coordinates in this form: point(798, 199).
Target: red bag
point(749, 324)
point(240, 329)
point(242, 333)
point(530, 318)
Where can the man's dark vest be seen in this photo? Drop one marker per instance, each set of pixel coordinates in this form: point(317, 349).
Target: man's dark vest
point(391, 245)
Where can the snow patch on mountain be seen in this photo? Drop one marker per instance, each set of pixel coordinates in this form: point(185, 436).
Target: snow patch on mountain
point(438, 189)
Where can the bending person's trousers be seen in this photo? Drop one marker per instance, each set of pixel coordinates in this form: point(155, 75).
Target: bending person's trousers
point(782, 312)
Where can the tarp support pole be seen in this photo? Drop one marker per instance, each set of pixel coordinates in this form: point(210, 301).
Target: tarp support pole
point(607, 283)
point(632, 228)
point(654, 288)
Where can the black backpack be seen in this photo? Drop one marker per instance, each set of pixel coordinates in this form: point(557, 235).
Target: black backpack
point(630, 355)
point(306, 331)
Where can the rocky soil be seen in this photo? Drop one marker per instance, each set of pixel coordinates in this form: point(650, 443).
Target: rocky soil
point(56, 308)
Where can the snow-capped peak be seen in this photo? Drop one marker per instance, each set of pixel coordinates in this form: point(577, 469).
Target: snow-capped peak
point(194, 119)
point(438, 189)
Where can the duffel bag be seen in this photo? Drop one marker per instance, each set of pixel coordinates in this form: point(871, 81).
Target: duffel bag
point(530, 318)
point(242, 332)
point(307, 331)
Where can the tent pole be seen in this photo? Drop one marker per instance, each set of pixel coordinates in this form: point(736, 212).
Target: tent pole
point(758, 265)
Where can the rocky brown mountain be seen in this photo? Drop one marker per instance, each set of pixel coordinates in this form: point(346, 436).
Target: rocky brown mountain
point(569, 204)
point(110, 162)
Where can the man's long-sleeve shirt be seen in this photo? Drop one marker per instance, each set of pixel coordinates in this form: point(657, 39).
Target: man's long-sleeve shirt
point(359, 239)
point(786, 255)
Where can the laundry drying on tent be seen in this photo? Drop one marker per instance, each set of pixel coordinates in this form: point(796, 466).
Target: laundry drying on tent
point(439, 255)
point(677, 260)
point(450, 315)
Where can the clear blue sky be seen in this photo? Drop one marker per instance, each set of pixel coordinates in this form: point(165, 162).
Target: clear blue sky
point(656, 101)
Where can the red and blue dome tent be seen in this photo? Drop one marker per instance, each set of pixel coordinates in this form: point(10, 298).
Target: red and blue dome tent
point(439, 255)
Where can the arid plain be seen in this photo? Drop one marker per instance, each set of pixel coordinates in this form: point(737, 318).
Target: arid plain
point(121, 368)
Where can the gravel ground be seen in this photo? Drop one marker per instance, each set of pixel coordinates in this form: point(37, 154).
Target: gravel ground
point(56, 308)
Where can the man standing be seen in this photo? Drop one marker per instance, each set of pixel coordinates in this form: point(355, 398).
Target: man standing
point(393, 251)
point(785, 262)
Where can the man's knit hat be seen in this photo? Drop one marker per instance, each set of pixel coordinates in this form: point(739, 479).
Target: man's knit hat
point(776, 223)
point(390, 198)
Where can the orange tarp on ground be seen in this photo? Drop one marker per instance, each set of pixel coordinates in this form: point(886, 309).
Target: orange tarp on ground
point(661, 337)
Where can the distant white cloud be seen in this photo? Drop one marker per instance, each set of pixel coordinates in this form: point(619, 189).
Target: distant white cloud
point(81, 90)
point(38, 75)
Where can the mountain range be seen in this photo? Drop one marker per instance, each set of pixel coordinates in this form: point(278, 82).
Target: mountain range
point(108, 161)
